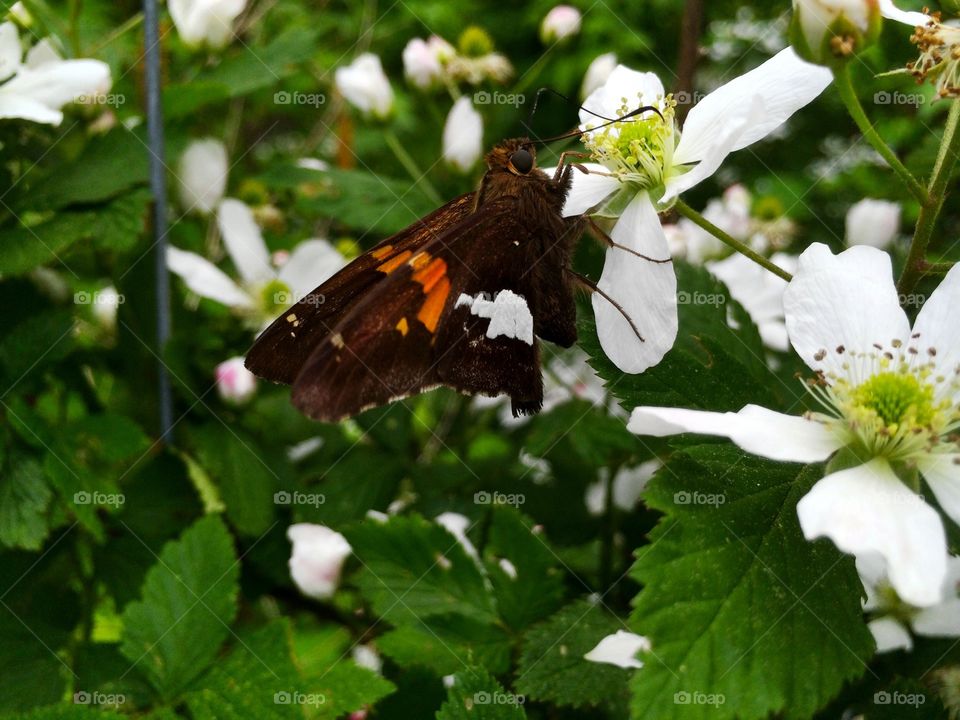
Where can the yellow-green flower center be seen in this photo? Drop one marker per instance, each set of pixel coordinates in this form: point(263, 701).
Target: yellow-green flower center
point(897, 398)
point(638, 150)
point(274, 297)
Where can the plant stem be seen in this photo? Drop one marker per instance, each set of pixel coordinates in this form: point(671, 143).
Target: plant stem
point(917, 265)
point(849, 96)
point(937, 268)
point(699, 220)
point(127, 25)
point(410, 165)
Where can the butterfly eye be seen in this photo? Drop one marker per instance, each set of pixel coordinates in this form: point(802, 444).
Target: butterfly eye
point(522, 161)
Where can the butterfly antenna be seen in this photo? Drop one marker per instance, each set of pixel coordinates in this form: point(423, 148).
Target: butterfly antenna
point(578, 132)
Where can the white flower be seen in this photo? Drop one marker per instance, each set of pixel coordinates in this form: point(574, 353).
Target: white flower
point(203, 175)
point(888, 395)
point(560, 23)
point(827, 29)
point(457, 525)
point(317, 559)
point(367, 657)
point(873, 222)
point(891, 617)
point(235, 384)
point(647, 163)
point(760, 292)
point(424, 60)
point(39, 87)
point(619, 649)
point(365, 86)
point(263, 292)
point(597, 73)
point(205, 22)
point(463, 135)
point(628, 485)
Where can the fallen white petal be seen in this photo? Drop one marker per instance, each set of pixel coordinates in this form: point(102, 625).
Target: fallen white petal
point(763, 432)
point(645, 290)
point(619, 649)
point(866, 509)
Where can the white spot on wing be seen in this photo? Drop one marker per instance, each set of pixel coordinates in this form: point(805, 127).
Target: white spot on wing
point(508, 313)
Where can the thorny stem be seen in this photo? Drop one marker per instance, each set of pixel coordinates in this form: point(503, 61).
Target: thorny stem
point(849, 96)
point(410, 165)
point(699, 220)
point(917, 265)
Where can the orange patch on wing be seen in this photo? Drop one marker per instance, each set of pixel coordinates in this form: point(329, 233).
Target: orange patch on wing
point(381, 253)
point(403, 326)
point(419, 260)
point(430, 274)
point(393, 263)
point(432, 308)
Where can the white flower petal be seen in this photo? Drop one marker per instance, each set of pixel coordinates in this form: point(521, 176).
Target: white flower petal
point(206, 279)
point(25, 108)
point(203, 175)
point(866, 509)
point(317, 558)
point(310, 264)
point(597, 73)
point(619, 649)
point(942, 474)
point(647, 292)
point(729, 130)
point(365, 86)
point(588, 189)
point(54, 84)
point(244, 241)
point(784, 82)
point(938, 325)
point(42, 53)
point(890, 635)
point(844, 301)
point(873, 222)
point(892, 12)
point(637, 88)
point(10, 50)
point(941, 620)
point(207, 22)
point(789, 438)
point(463, 135)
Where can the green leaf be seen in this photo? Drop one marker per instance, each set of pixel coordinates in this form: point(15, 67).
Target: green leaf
point(68, 711)
point(552, 667)
point(475, 695)
point(415, 569)
point(446, 643)
point(245, 482)
point(537, 590)
point(741, 610)
point(189, 598)
point(116, 226)
point(24, 498)
point(710, 366)
point(346, 687)
point(251, 68)
point(33, 344)
point(248, 681)
point(599, 436)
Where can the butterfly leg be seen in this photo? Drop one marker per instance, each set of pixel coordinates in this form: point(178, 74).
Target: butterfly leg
point(590, 286)
point(563, 168)
point(598, 234)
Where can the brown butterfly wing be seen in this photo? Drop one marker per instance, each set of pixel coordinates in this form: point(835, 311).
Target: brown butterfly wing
point(281, 350)
point(408, 334)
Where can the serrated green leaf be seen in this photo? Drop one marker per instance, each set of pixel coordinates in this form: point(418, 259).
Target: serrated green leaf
point(475, 695)
point(552, 667)
point(67, 711)
point(189, 598)
point(245, 483)
point(446, 643)
point(537, 588)
point(24, 498)
point(741, 610)
point(115, 226)
point(415, 569)
point(33, 344)
point(346, 687)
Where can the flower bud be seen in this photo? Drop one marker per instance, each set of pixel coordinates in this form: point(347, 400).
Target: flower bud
point(463, 136)
point(235, 384)
point(561, 23)
point(317, 559)
point(365, 86)
point(205, 22)
point(423, 61)
point(203, 175)
point(873, 222)
point(827, 32)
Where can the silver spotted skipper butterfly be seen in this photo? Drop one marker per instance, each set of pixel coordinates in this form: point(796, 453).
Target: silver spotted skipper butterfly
point(459, 299)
